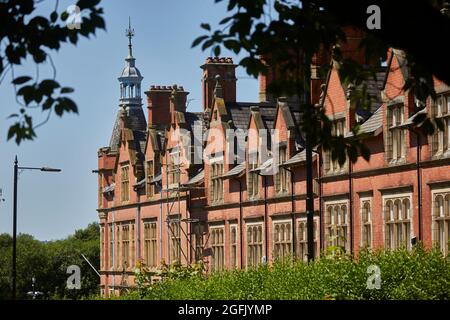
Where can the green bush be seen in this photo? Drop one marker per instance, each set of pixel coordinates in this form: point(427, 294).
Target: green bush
point(418, 274)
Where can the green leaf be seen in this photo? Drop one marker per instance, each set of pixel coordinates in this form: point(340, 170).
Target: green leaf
point(48, 86)
point(197, 41)
point(67, 90)
point(64, 16)
point(53, 16)
point(206, 26)
point(217, 51)
point(21, 80)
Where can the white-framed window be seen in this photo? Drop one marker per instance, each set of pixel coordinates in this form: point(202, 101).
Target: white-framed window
point(302, 239)
point(118, 258)
point(255, 243)
point(125, 246)
point(282, 176)
point(150, 175)
point(197, 232)
point(233, 245)
point(175, 240)
point(395, 134)
point(282, 239)
point(125, 182)
point(366, 222)
point(440, 140)
point(332, 166)
point(441, 220)
point(102, 247)
point(253, 177)
point(111, 247)
point(174, 166)
point(150, 243)
point(397, 221)
point(337, 225)
point(216, 182)
point(217, 234)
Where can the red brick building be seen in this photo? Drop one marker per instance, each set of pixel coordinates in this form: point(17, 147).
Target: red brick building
point(184, 186)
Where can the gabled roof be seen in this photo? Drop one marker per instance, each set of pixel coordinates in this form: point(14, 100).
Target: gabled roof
point(235, 171)
point(198, 178)
point(371, 125)
point(298, 158)
point(410, 120)
point(135, 121)
point(109, 188)
point(239, 113)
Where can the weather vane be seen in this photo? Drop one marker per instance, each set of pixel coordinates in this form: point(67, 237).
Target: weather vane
point(130, 34)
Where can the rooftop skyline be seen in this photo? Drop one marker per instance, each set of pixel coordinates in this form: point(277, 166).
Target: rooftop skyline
point(51, 206)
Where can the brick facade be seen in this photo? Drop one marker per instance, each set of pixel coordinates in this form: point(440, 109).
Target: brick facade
point(229, 214)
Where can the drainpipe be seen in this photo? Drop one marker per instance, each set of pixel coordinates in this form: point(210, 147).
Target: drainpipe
point(266, 238)
point(319, 175)
point(350, 190)
point(113, 250)
point(419, 186)
point(188, 227)
point(161, 222)
point(137, 252)
point(241, 252)
point(294, 227)
point(266, 231)
point(419, 182)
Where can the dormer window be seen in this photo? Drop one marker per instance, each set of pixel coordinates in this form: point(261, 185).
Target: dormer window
point(216, 182)
point(395, 133)
point(332, 166)
point(440, 140)
point(125, 182)
point(281, 178)
point(174, 167)
point(253, 178)
point(149, 178)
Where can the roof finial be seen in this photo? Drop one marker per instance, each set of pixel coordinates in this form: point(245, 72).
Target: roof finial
point(130, 34)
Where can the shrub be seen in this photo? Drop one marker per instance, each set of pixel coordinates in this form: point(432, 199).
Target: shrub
point(416, 274)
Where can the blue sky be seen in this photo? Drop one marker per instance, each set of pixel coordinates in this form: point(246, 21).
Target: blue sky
point(53, 205)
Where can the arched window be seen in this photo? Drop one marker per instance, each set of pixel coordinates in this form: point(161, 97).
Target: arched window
point(337, 225)
point(366, 221)
point(397, 223)
point(217, 246)
point(441, 221)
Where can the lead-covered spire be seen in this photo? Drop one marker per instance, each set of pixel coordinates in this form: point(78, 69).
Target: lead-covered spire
point(131, 78)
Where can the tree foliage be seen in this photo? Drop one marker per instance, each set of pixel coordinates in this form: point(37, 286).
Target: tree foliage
point(289, 34)
point(26, 36)
point(404, 275)
point(48, 262)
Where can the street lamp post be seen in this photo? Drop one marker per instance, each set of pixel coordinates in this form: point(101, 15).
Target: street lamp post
point(14, 251)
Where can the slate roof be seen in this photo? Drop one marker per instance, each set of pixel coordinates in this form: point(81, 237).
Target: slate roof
point(235, 171)
point(192, 118)
point(240, 113)
point(109, 188)
point(372, 124)
point(410, 120)
point(298, 158)
point(199, 177)
point(135, 121)
point(374, 86)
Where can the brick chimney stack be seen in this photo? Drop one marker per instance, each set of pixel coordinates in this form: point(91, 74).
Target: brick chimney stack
point(225, 68)
point(158, 104)
point(178, 98)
